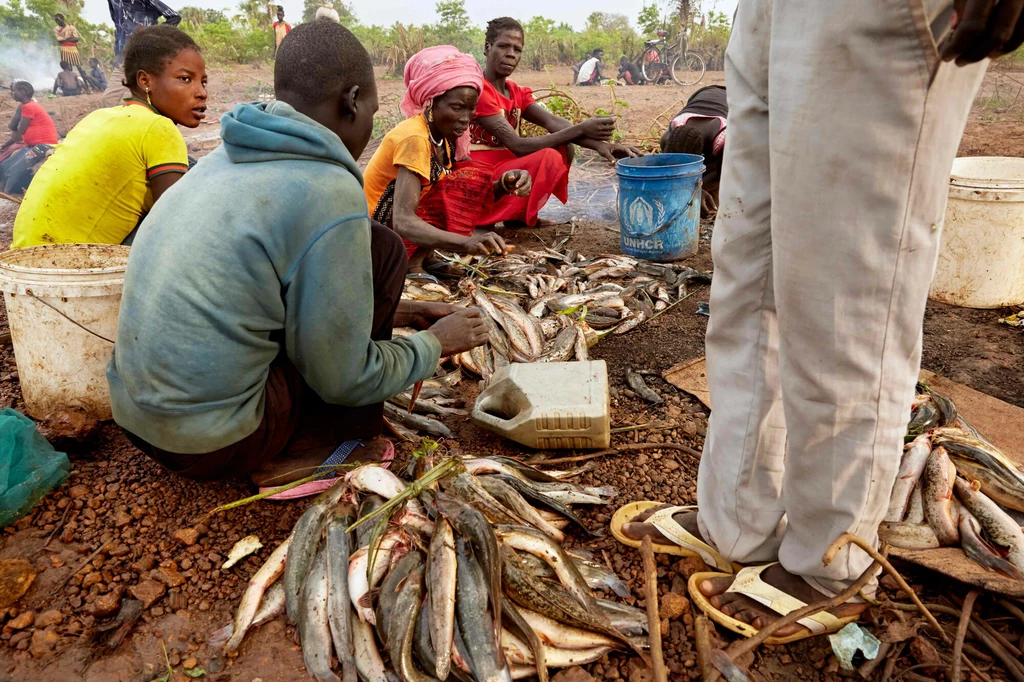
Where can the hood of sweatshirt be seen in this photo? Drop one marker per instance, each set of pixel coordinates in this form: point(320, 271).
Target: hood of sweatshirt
point(274, 131)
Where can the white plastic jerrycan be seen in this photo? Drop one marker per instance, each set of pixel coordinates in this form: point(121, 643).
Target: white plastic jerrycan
point(553, 405)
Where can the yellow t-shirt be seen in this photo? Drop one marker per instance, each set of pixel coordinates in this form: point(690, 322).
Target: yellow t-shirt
point(94, 189)
point(407, 145)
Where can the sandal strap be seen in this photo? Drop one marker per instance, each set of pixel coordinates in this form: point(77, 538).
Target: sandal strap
point(748, 582)
point(670, 528)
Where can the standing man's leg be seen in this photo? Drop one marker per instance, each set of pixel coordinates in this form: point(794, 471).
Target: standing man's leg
point(739, 485)
point(116, 93)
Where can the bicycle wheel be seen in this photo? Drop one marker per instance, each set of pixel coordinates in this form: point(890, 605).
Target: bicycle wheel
point(651, 65)
point(688, 69)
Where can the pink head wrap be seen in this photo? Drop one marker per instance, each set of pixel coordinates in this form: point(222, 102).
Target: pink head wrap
point(434, 71)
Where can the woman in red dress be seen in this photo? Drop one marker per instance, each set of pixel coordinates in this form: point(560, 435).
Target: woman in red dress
point(495, 132)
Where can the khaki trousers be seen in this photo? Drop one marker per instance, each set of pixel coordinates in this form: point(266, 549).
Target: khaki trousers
point(843, 127)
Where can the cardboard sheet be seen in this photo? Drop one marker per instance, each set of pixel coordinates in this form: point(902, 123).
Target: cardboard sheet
point(1000, 422)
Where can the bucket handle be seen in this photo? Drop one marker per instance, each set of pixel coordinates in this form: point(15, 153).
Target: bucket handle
point(61, 313)
point(683, 210)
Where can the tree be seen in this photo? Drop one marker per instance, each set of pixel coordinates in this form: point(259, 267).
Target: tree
point(197, 16)
point(650, 20)
point(453, 23)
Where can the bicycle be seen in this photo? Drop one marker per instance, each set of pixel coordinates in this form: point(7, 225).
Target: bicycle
point(660, 59)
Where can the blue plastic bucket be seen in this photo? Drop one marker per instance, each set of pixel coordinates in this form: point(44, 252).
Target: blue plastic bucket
point(659, 205)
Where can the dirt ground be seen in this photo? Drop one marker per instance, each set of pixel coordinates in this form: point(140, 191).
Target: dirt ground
point(108, 532)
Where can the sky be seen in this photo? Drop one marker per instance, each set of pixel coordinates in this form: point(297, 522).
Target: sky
point(387, 12)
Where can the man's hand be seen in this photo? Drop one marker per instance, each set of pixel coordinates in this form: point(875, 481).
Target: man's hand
point(599, 127)
point(984, 28)
point(518, 183)
point(708, 205)
point(460, 331)
point(612, 151)
point(422, 314)
point(484, 244)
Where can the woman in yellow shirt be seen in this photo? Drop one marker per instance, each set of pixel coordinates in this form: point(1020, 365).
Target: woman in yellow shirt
point(414, 184)
point(112, 166)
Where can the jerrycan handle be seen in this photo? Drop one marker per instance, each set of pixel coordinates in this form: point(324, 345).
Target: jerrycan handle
point(487, 404)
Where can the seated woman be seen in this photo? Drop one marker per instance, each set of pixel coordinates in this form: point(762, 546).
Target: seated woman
point(30, 125)
point(495, 131)
point(414, 183)
point(116, 162)
point(699, 128)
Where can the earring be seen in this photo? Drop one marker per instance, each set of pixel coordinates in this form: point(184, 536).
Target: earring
point(430, 114)
point(148, 100)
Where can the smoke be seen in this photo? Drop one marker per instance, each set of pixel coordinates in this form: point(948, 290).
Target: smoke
point(37, 63)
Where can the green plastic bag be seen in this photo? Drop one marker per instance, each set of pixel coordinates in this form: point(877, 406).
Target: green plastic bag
point(29, 466)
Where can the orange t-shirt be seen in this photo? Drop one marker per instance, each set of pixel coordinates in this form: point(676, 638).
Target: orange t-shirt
point(406, 146)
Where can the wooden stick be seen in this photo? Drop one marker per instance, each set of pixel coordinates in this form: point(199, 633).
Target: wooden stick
point(868, 668)
point(624, 448)
point(1010, 648)
point(653, 619)
point(10, 198)
point(702, 638)
point(961, 634)
point(1009, 606)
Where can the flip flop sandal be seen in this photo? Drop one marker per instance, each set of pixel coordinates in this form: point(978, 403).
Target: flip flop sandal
point(330, 474)
point(748, 582)
point(685, 543)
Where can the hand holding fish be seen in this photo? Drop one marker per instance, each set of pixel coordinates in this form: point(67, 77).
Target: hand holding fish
point(422, 314)
point(460, 331)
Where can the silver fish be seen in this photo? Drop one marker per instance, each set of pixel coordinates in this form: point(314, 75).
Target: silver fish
point(507, 495)
point(561, 348)
point(564, 636)
point(271, 606)
point(313, 626)
point(302, 549)
point(442, 567)
point(1000, 529)
point(270, 571)
point(368, 660)
point(476, 621)
point(339, 608)
point(980, 551)
point(359, 584)
point(542, 546)
point(983, 462)
point(519, 653)
point(908, 535)
point(937, 496)
point(915, 508)
point(414, 421)
point(911, 468)
point(525, 322)
point(402, 629)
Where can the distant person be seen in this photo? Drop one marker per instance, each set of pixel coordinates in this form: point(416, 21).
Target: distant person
point(67, 83)
point(327, 11)
point(629, 72)
point(31, 127)
point(577, 66)
point(498, 147)
point(699, 128)
point(128, 15)
point(68, 37)
point(116, 162)
point(591, 71)
point(281, 28)
point(96, 74)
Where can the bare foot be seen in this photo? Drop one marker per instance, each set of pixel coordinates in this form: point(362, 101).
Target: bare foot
point(637, 529)
point(758, 615)
point(292, 466)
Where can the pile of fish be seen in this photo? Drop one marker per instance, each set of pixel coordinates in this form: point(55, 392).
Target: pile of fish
point(459, 573)
point(956, 488)
point(549, 306)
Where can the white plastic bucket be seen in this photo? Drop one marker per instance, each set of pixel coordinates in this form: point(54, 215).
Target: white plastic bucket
point(62, 304)
point(981, 255)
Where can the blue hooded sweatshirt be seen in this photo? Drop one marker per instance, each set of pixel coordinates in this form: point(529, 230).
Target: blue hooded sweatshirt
point(266, 241)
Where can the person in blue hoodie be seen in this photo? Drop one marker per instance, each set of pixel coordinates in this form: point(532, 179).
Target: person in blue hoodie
point(255, 334)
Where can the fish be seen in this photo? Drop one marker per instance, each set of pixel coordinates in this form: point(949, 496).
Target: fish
point(563, 636)
point(271, 606)
point(947, 409)
point(466, 487)
point(569, 493)
point(911, 468)
point(915, 508)
point(519, 653)
point(627, 620)
point(431, 427)
point(908, 535)
point(512, 617)
point(630, 323)
point(561, 348)
point(1002, 532)
point(580, 347)
point(981, 552)
point(516, 334)
point(442, 568)
point(980, 461)
point(937, 496)
point(597, 576)
point(339, 609)
point(923, 418)
point(370, 504)
point(524, 321)
point(428, 406)
point(542, 546)
point(402, 628)
point(554, 602)
point(526, 490)
point(261, 580)
point(373, 478)
point(476, 621)
point(507, 466)
point(481, 358)
point(313, 626)
point(359, 583)
point(389, 592)
point(510, 497)
point(302, 549)
point(368, 660)
point(637, 383)
point(241, 549)
point(471, 524)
